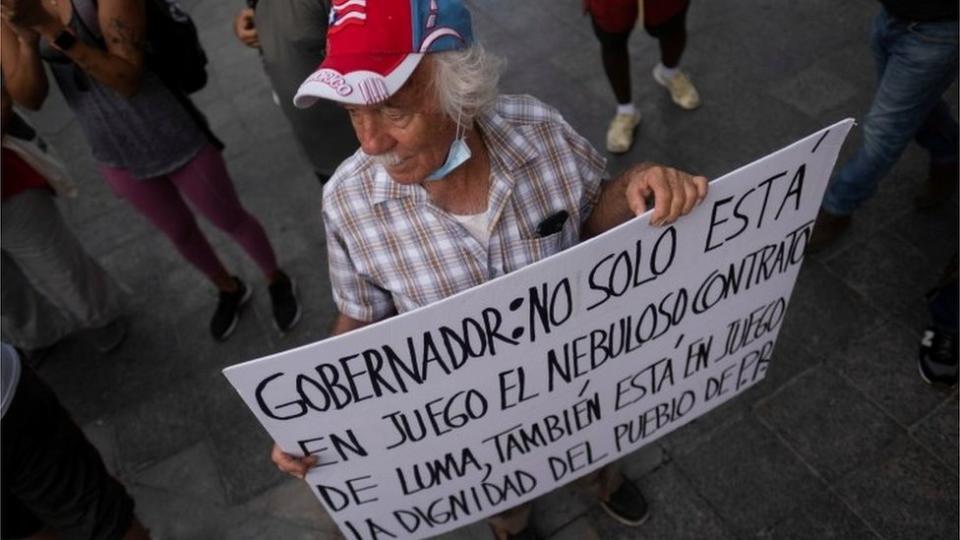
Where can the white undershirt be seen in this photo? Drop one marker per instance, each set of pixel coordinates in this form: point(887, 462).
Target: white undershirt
point(478, 225)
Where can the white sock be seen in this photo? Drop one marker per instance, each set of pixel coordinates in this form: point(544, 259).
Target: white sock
point(667, 73)
point(626, 108)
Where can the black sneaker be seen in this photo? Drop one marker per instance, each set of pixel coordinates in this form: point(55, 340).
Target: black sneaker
point(225, 319)
point(283, 298)
point(529, 533)
point(938, 357)
point(627, 505)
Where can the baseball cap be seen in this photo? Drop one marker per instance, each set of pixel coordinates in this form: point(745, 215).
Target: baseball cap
point(373, 46)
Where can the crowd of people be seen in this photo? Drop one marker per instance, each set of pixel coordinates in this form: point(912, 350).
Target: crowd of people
point(430, 163)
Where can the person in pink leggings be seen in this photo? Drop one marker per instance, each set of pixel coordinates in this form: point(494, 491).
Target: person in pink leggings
point(152, 145)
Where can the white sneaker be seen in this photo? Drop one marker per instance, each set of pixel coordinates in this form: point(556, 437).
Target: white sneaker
point(682, 91)
point(620, 132)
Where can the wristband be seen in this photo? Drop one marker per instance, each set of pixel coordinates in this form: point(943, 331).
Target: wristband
point(65, 40)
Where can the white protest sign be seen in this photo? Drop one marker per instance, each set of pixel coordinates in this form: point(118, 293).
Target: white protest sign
point(467, 407)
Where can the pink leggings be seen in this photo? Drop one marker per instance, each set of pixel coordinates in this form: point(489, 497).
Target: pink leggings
point(205, 183)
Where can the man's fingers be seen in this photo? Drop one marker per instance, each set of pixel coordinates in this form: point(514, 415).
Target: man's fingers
point(636, 195)
point(691, 197)
point(679, 201)
point(291, 465)
point(662, 194)
point(702, 186)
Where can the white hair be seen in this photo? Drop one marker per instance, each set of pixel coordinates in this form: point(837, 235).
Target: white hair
point(465, 82)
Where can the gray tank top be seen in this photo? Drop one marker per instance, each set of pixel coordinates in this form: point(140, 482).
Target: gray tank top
point(149, 134)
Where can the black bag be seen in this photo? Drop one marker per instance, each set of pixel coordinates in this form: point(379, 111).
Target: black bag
point(173, 49)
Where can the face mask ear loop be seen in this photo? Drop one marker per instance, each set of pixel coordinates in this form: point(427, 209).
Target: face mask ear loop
point(461, 131)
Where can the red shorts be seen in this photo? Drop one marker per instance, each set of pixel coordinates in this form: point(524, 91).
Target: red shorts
point(618, 16)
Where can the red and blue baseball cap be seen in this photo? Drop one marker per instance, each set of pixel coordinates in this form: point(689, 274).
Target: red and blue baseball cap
point(374, 45)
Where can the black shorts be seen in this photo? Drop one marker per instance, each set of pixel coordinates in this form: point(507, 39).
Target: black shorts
point(52, 476)
point(615, 31)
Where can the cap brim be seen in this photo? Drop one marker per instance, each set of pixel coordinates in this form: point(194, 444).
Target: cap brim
point(357, 79)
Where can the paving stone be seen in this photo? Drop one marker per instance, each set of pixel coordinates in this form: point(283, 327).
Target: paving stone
point(905, 493)
point(676, 511)
point(790, 357)
point(475, 531)
point(260, 114)
point(882, 364)
point(254, 336)
point(825, 517)
point(83, 381)
point(153, 361)
point(819, 292)
point(933, 233)
point(579, 68)
point(258, 527)
point(814, 90)
point(725, 129)
point(643, 461)
point(748, 476)
point(839, 62)
point(555, 510)
point(101, 234)
point(894, 284)
point(938, 432)
point(510, 25)
point(275, 177)
point(171, 516)
point(228, 125)
point(578, 530)
point(173, 287)
point(156, 428)
point(191, 472)
point(888, 205)
point(827, 422)
point(690, 437)
point(241, 445)
point(792, 35)
point(294, 501)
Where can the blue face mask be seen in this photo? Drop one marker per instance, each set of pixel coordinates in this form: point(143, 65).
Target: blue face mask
point(459, 153)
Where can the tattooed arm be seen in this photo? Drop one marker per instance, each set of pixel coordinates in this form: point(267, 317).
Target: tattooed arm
point(123, 25)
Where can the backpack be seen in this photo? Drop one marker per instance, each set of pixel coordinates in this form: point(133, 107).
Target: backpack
point(173, 49)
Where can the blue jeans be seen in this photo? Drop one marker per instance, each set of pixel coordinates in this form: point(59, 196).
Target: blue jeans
point(916, 64)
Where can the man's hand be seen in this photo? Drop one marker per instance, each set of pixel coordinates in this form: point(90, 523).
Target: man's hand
point(292, 465)
point(245, 28)
point(674, 192)
point(25, 13)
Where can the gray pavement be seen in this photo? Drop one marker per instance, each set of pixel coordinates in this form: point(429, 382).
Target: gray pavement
point(842, 440)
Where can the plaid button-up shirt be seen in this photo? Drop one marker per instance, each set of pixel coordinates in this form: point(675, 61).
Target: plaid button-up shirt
point(392, 250)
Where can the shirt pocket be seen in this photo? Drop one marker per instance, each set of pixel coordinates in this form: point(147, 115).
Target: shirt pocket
point(524, 251)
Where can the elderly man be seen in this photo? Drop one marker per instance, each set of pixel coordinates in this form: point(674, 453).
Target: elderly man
point(455, 185)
